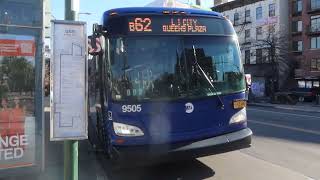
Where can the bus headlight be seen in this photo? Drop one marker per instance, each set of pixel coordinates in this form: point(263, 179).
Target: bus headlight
point(239, 117)
point(126, 130)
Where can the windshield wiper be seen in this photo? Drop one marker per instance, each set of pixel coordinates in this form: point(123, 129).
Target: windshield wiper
point(207, 78)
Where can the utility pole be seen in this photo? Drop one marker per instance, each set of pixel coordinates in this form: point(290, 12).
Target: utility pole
point(71, 147)
point(71, 9)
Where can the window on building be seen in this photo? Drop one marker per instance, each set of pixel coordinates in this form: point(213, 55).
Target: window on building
point(265, 56)
point(300, 46)
point(315, 4)
point(247, 15)
point(259, 32)
point(272, 10)
point(258, 56)
point(308, 84)
point(301, 84)
point(247, 34)
point(315, 64)
point(259, 13)
point(297, 6)
point(297, 46)
point(316, 84)
point(297, 26)
point(236, 18)
point(315, 23)
point(18, 13)
point(315, 42)
point(247, 56)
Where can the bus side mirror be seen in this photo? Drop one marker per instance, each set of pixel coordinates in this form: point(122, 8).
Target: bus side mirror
point(95, 45)
point(96, 41)
point(96, 28)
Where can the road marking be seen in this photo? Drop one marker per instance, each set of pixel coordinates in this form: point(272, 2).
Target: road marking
point(301, 115)
point(286, 127)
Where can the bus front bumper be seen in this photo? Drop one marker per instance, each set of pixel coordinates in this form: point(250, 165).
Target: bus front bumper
point(167, 152)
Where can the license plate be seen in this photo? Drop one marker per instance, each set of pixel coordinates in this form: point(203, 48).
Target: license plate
point(238, 104)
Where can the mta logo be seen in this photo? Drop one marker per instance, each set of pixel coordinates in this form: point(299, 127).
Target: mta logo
point(189, 107)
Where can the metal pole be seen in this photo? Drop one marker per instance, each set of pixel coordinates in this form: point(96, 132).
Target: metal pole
point(67, 160)
point(71, 147)
point(71, 12)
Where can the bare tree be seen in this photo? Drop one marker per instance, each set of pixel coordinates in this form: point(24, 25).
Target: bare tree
point(276, 44)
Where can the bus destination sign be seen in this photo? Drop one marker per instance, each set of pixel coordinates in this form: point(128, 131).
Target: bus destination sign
point(175, 25)
point(184, 25)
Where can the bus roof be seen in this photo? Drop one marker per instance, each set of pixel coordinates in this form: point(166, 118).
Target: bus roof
point(157, 11)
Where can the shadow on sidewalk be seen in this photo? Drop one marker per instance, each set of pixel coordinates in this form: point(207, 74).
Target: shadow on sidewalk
point(191, 169)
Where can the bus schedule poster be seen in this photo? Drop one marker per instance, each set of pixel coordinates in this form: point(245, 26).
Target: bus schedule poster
point(68, 81)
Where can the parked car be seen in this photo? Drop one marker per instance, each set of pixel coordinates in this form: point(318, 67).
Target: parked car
point(306, 94)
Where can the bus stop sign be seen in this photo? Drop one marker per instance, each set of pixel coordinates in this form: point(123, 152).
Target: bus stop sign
point(68, 81)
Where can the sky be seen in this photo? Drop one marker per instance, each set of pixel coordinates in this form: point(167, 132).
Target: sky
point(99, 6)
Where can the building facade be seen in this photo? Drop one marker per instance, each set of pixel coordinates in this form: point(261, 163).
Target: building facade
point(304, 31)
point(261, 26)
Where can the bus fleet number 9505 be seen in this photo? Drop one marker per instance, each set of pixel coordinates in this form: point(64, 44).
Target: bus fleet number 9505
point(131, 108)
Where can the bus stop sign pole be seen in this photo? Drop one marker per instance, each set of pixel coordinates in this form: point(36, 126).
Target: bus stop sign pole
point(71, 146)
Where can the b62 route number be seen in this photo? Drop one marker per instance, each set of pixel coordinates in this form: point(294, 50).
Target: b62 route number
point(131, 108)
point(140, 25)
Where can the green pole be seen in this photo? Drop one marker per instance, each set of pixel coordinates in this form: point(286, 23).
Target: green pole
point(75, 160)
point(71, 162)
point(70, 14)
point(70, 146)
point(67, 160)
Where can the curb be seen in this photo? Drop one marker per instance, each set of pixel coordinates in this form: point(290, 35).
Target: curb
point(285, 108)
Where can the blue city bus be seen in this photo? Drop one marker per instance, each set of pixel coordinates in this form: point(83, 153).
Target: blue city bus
point(167, 83)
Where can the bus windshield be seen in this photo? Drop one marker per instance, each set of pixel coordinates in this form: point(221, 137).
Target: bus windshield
point(164, 68)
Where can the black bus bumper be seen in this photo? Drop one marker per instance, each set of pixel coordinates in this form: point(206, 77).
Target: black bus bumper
point(167, 152)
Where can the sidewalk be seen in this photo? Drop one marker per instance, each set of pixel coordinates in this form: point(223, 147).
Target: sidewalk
point(305, 107)
point(89, 166)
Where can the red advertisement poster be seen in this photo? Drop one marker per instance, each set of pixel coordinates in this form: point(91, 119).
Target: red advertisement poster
point(17, 121)
point(13, 47)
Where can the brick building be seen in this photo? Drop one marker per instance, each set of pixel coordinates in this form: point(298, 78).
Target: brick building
point(304, 16)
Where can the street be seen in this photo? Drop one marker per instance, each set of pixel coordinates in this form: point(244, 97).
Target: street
point(286, 145)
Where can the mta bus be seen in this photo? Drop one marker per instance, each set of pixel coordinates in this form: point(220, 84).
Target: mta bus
point(166, 83)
